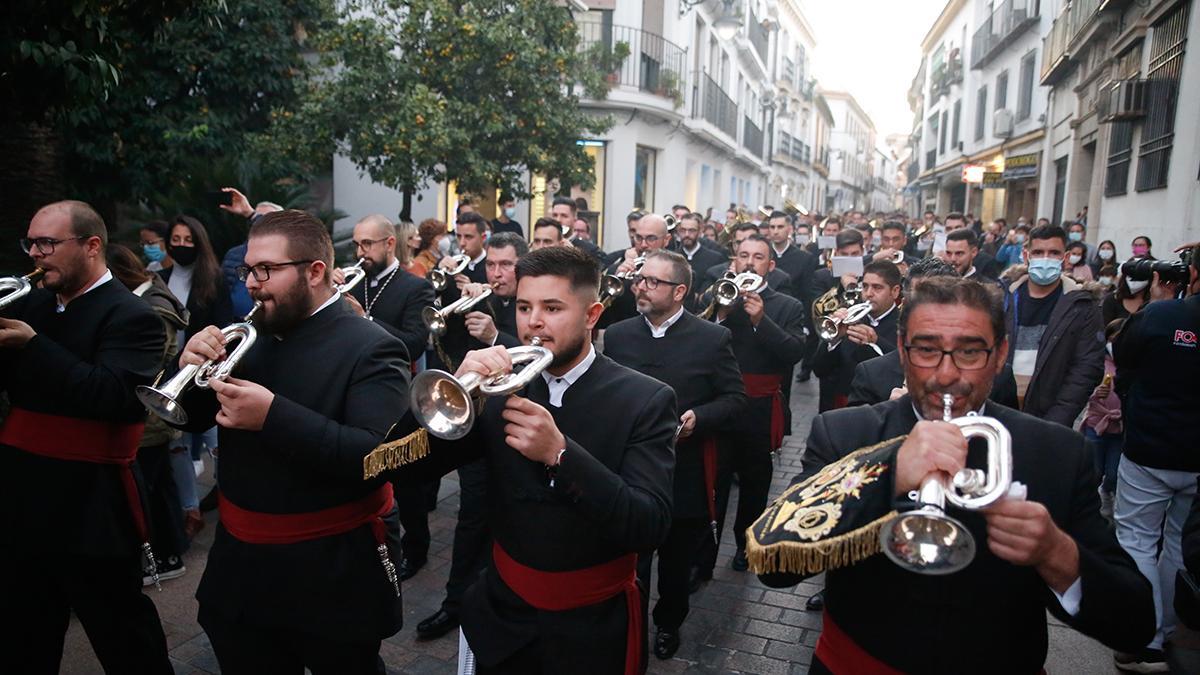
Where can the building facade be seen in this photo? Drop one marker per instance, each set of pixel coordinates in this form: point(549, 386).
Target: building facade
point(851, 155)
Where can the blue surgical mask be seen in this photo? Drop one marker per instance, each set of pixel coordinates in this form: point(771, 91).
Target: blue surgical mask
point(1076, 236)
point(153, 252)
point(510, 212)
point(1020, 239)
point(1045, 271)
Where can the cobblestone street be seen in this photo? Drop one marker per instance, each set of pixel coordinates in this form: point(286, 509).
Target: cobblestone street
point(736, 624)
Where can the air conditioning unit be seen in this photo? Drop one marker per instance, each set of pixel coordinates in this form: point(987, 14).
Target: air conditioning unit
point(1002, 123)
point(1123, 100)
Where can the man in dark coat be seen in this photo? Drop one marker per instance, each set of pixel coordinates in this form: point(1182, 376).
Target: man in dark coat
point(564, 211)
point(650, 234)
point(699, 257)
point(696, 359)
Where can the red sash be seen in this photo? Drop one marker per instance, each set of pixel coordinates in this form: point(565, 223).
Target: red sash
point(560, 591)
point(841, 654)
point(764, 386)
point(708, 449)
point(78, 440)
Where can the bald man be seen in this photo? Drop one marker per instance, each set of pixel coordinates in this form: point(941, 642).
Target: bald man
point(649, 234)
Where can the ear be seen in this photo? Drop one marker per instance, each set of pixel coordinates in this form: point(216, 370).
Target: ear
point(1001, 356)
point(593, 314)
point(316, 273)
point(679, 293)
point(771, 265)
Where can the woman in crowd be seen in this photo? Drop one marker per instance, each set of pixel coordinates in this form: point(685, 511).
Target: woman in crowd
point(408, 244)
point(1141, 247)
point(154, 236)
point(1126, 298)
point(1102, 425)
point(196, 280)
point(431, 231)
point(1106, 254)
point(1075, 263)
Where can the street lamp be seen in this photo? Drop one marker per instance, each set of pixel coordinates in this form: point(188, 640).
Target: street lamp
point(727, 23)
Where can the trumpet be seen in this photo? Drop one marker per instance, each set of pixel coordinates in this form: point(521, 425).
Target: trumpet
point(164, 400)
point(445, 405)
point(440, 278)
point(926, 540)
point(354, 275)
point(898, 257)
point(612, 286)
point(829, 326)
point(13, 289)
point(793, 209)
point(671, 221)
point(731, 286)
point(435, 319)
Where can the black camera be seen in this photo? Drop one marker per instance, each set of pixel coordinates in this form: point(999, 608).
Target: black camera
point(1168, 270)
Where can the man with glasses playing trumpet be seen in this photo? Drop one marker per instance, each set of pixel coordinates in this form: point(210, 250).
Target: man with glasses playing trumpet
point(71, 353)
point(650, 233)
point(579, 481)
point(301, 572)
point(964, 588)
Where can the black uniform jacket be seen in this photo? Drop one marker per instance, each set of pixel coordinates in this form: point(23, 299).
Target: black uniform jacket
point(611, 497)
point(397, 307)
point(777, 279)
point(696, 359)
point(800, 266)
point(992, 614)
point(874, 380)
point(836, 366)
point(84, 362)
point(340, 381)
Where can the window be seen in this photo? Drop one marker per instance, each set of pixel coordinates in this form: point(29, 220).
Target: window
point(1025, 96)
point(1162, 95)
point(643, 177)
point(980, 112)
point(1120, 143)
point(942, 135)
point(957, 120)
point(1002, 90)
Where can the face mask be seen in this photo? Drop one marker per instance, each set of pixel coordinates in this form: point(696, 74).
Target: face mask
point(1136, 287)
point(802, 239)
point(1045, 271)
point(1106, 281)
point(1075, 259)
point(153, 252)
point(184, 255)
point(924, 244)
point(876, 241)
point(1140, 250)
point(510, 212)
point(1105, 253)
point(1076, 236)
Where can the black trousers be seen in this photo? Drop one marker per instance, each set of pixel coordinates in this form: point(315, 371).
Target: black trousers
point(472, 538)
point(243, 648)
point(414, 519)
point(161, 497)
point(675, 558)
point(749, 456)
point(39, 593)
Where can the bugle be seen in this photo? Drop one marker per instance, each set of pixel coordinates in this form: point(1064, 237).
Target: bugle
point(829, 326)
point(435, 319)
point(612, 286)
point(13, 289)
point(440, 278)
point(352, 276)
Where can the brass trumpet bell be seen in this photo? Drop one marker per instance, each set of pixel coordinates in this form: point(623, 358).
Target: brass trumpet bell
point(730, 287)
point(440, 278)
point(435, 319)
point(829, 326)
point(354, 276)
point(928, 541)
point(15, 288)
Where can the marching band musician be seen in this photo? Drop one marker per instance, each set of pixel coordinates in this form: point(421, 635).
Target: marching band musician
point(777, 279)
point(768, 340)
point(71, 353)
point(696, 359)
point(579, 483)
point(504, 250)
point(300, 574)
point(1049, 550)
point(650, 234)
point(795, 261)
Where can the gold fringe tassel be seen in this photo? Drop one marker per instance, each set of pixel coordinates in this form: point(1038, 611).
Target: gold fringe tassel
point(394, 454)
point(799, 558)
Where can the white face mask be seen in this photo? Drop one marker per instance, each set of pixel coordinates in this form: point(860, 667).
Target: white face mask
point(1074, 259)
point(1106, 281)
point(802, 239)
point(1105, 253)
point(1136, 287)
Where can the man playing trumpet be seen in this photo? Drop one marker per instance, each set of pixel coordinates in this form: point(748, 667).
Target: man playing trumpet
point(1048, 549)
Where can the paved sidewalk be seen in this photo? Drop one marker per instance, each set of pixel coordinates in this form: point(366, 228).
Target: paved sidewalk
point(736, 624)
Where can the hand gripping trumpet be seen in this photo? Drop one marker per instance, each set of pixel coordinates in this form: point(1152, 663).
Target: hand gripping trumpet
point(612, 286)
point(829, 327)
point(354, 275)
point(435, 319)
point(926, 540)
point(13, 289)
point(445, 405)
point(440, 278)
point(730, 287)
point(164, 399)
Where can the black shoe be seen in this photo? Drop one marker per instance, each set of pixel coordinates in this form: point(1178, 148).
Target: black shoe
point(666, 643)
point(1146, 660)
point(408, 568)
point(739, 562)
point(696, 579)
point(170, 567)
point(209, 503)
point(816, 602)
point(437, 625)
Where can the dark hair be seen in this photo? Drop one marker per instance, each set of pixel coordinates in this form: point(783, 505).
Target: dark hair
point(955, 215)
point(848, 237)
point(1149, 244)
point(1002, 221)
point(894, 225)
point(929, 212)
point(1068, 225)
point(566, 201)
point(474, 218)
point(509, 240)
point(926, 268)
point(430, 229)
point(1113, 327)
point(307, 237)
point(1110, 243)
point(547, 222)
point(126, 266)
point(634, 215)
point(85, 221)
point(779, 214)
point(694, 217)
point(505, 198)
point(964, 234)
point(681, 269)
point(206, 271)
point(463, 202)
point(569, 262)
point(884, 269)
point(1023, 227)
point(1043, 232)
point(951, 291)
point(742, 227)
point(1078, 245)
point(160, 228)
point(759, 238)
point(681, 206)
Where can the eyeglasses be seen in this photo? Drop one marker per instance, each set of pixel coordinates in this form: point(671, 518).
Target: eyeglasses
point(262, 272)
point(964, 358)
point(45, 245)
point(651, 282)
point(365, 243)
point(648, 239)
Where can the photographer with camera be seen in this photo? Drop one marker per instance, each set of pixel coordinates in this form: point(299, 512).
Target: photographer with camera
point(1158, 361)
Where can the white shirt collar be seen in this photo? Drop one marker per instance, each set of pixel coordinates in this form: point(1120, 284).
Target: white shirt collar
point(692, 252)
point(332, 299)
point(660, 331)
point(104, 278)
point(875, 320)
point(471, 265)
point(386, 271)
point(970, 273)
point(558, 384)
point(781, 251)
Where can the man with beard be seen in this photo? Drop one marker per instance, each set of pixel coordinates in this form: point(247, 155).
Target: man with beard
point(300, 574)
point(71, 353)
point(768, 340)
point(777, 279)
point(650, 234)
point(579, 466)
point(700, 257)
point(696, 359)
point(1049, 550)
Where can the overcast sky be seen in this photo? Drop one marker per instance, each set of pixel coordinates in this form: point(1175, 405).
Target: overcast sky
point(871, 48)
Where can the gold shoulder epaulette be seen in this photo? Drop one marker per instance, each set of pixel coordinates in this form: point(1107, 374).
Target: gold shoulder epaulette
point(395, 454)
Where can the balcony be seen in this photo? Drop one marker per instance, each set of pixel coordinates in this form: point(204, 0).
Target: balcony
point(1069, 34)
point(1055, 56)
point(914, 170)
point(655, 65)
point(945, 75)
point(802, 152)
point(760, 38)
point(808, 89)
point(1004, 25)
point(752, 137)
point(783, 149)
point(787, 74)
point(714, 106)
point(930, 160)
point(1126, 100)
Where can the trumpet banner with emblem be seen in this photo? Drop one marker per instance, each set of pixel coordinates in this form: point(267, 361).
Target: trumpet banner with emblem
point(830, 519)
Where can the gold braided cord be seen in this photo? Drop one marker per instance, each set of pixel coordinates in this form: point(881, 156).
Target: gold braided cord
point(395, 454)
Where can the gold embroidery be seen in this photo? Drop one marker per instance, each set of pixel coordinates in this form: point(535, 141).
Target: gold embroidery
point(814, 522)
